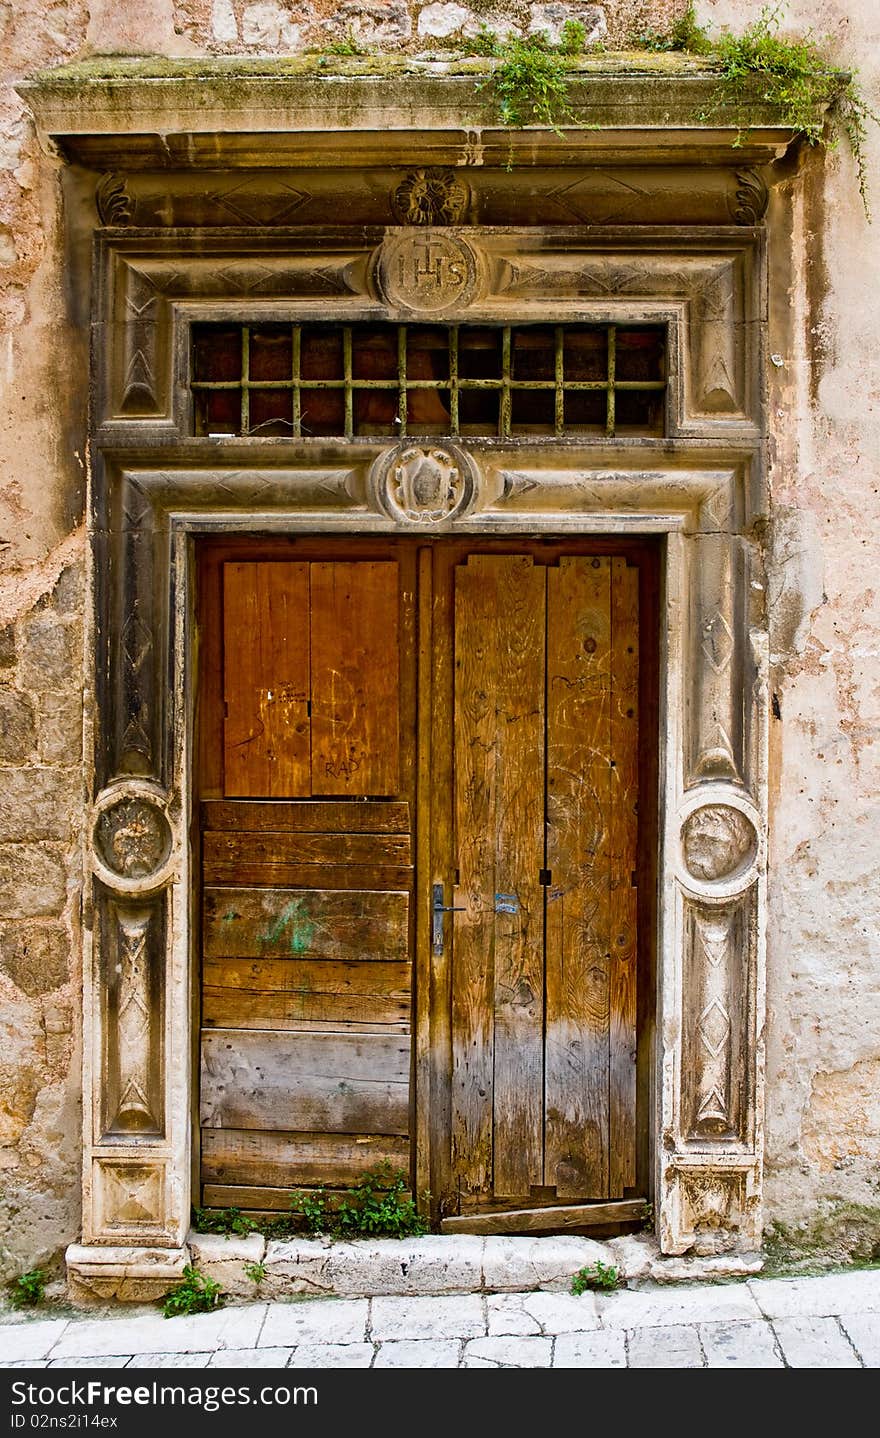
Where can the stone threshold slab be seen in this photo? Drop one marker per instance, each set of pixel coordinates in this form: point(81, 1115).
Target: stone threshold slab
point(252, 1269)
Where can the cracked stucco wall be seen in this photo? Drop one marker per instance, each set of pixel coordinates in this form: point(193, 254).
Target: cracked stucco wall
point(823, 1134)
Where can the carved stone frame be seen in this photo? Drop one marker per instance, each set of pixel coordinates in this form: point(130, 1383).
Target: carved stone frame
point(155, 489)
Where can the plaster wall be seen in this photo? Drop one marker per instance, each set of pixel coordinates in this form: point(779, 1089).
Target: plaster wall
point(823, 1030)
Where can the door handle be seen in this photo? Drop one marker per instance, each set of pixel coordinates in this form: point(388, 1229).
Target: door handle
point(438, 909)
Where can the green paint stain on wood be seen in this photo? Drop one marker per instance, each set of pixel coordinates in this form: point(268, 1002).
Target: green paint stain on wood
point(301, 928)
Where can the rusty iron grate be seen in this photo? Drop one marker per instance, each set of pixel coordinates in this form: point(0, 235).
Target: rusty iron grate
point(320, 380)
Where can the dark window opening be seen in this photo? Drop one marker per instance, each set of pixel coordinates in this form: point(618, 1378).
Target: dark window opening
point(319, 380)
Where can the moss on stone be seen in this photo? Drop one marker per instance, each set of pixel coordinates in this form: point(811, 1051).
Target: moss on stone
point(838, 1234)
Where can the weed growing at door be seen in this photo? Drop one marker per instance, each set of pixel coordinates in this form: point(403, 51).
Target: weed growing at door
point(597, 1277)
point(223, 1220)
point(378, 1207)
point(256, 1272)
point(28, 1289)
point(196, 1293)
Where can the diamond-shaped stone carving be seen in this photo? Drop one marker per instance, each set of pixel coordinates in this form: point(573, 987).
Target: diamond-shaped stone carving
point(255, 204)
point(714, 1027)
point(717, 642)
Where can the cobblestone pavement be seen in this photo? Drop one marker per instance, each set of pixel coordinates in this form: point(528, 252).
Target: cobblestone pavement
point(831, 1321)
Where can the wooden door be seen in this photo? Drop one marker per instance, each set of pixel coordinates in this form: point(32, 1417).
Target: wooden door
point(535, 848)
point(306, 856)
point(541, 857)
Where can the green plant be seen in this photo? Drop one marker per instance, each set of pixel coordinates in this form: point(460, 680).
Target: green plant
point(797, 80)
point(28, 1289)
point(196, 1293)
point(597, 1276)
point(686, 33)
point(223, 1220)
point(529, 83)
point(377, 1207)
point(348, 46)
point(572, 38)
point(256, 1272)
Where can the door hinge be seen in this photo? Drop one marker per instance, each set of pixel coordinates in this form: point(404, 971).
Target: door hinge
point(545, 877)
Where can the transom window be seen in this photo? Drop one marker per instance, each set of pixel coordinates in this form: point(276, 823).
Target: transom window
point(312, 380)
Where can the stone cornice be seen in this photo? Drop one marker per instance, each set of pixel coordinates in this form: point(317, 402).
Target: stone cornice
point(320, 110)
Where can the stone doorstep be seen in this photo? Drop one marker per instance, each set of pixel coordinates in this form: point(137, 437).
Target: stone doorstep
point(372, 1268)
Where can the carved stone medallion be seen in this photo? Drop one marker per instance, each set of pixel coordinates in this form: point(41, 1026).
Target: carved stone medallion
point(424, 485)
point(132, 839)
point(427, 271)
point(430, 196)
point(718, 842)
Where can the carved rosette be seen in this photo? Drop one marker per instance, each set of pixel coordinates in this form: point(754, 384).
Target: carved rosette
point(430, 196)
point(131, 838)
point(424, 486)
point(427, 271)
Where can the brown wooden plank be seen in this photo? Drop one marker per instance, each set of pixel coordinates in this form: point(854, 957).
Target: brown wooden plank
point(266, 678)
point(355, 677)
point(254, 1158)
point(286, 993)
point(271, 1202)
point(425, 1095)
point(239, 873)
point(273, 848)
point(497, 966)
point(536, 1220)
point(519, 857)
point(473, 1029)
point(299, 923)
point(579, 785)
point(622, 845)
point(327, 1082)
point(365, 816)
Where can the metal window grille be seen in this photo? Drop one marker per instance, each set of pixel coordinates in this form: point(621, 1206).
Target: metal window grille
point(305, 380)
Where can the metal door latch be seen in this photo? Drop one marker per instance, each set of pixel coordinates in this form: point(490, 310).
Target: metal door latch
point(438, 909)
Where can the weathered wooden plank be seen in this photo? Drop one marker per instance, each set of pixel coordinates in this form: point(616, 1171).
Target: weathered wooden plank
point(519, 857)
point(269, 1201)
point(234, 873)
point(622, 845)
point(473, 961)
point(316, 923)
point(579, 786)
point(497, 966)
point(257, 1159)
point(424, 1097)
point(266, 678)
point(355, 677)
point(286, 993)
point(536, 1220)
point(381, 816)
point(327, 1082)
point(273, 848)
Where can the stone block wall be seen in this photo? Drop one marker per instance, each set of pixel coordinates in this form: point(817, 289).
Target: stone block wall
point(41, 809)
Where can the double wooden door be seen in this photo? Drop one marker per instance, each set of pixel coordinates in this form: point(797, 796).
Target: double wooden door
point(423, 867)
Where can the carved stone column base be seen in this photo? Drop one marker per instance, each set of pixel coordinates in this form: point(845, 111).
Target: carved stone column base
point(712, 1207)
point(131, 1275)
